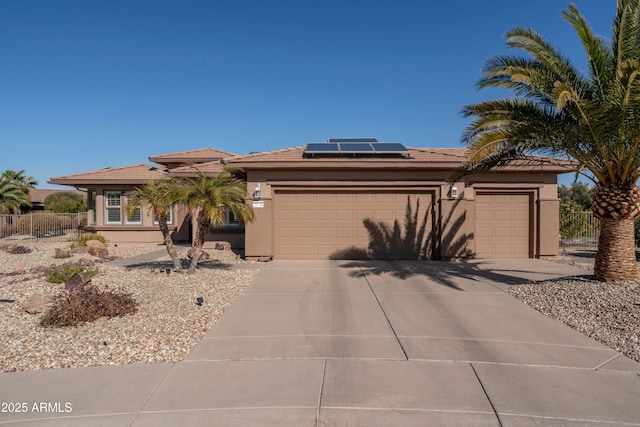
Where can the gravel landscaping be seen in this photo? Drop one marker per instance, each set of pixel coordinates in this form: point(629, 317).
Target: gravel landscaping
point(606, 312)
point(165, 328)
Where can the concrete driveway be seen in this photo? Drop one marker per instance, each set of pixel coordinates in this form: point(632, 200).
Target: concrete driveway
point(363, 343)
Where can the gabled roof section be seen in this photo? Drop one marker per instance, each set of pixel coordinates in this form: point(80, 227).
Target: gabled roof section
point(209, 168)
point(134, 174)
point(201, 155)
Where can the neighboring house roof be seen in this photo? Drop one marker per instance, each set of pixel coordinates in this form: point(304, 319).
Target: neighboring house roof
point(38, 194)
point(135, 174)
point(192, 156)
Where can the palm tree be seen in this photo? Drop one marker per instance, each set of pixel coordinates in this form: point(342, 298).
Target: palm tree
point(18, 177)
point(209, 199)
point(592, 118)
point(160, 195)
point(12, 196)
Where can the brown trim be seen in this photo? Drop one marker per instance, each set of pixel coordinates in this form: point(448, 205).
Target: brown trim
point(483, 186)
point(301, 185)
point(126, 228)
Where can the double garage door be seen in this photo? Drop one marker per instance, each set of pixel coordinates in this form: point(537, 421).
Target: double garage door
point(344, 224)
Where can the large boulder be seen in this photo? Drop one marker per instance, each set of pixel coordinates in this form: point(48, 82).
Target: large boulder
point(37, 303)
point(97, 248)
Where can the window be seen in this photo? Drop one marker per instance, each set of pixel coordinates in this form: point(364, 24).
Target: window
point(113, 207)
point(231, 219)
point(92, 207)
point(134, 217)
point(169, 217)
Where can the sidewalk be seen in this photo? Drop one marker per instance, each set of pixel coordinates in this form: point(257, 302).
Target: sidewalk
point(359, 343)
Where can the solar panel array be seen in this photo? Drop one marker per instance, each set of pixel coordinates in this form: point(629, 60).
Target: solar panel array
point(355, 146)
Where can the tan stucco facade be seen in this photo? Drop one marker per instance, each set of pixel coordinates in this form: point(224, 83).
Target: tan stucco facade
point(319, 207)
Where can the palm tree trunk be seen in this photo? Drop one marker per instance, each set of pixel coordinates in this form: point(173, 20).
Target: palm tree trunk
point(616, 207)
point(201, 234)
point(166, 235)
point(616, 256)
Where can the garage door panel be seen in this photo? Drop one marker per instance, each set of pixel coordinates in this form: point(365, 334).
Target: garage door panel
point(503, 225)
point(338, 220)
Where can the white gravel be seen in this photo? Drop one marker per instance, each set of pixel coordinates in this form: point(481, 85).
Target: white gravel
point(166, 327)
point(606, 312)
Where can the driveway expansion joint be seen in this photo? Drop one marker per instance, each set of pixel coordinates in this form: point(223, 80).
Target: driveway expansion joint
point(484, 390)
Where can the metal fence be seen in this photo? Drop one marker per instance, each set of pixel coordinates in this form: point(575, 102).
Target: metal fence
point(579, 230)
point(41, 225)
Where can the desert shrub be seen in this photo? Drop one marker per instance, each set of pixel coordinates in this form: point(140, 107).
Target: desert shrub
point(16, 249)
point(84, 238)
point(65, 272)
point(65, 202)
point(87, 303)
point(572, 223)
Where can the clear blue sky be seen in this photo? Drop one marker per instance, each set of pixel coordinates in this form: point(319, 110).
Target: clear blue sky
point(90, 84)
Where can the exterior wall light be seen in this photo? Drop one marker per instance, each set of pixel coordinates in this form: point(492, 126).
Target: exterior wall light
point(257, 194)
point(454, 192)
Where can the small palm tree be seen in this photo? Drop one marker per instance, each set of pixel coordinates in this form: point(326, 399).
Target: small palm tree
point(12, 196)
point(209, 199)
point(160, 195)
point(593, 119)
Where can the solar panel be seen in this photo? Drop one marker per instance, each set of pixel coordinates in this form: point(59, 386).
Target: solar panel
point(355, 140)
point(355, 148)
point(322, 147)
point(390, 147)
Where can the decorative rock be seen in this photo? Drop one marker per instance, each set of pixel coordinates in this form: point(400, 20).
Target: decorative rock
point(97, 248)
point(79, 280)
point(204, 255)
point(96, 244)
point(62, 253)
point(98, 252)
point(223, 246)
point(37, 303)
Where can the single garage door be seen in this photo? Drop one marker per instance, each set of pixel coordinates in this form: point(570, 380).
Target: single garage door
point(345, 224)
point(503, 225)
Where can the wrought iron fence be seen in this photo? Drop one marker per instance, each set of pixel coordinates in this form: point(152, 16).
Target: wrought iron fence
point(40, 225)
point(579, 230)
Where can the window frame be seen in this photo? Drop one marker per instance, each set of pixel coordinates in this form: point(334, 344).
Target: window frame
point(126, 215)
point(169, 217)
point(108, 207)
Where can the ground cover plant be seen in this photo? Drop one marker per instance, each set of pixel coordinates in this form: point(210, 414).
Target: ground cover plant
point(65, 272)
point(84, 238)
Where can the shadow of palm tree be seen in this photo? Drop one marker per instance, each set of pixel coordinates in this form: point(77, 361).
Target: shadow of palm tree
point(152, 265)
point(394, 242)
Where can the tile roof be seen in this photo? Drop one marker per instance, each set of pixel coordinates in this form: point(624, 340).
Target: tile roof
point(419, 157)
point(134, 174)
point(191, 156)
point(208, 168)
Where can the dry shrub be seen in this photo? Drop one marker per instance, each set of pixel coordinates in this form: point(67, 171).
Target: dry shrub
point(87, 303)
point(16, 249)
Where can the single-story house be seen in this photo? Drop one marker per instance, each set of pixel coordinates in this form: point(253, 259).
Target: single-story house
point(349, 198)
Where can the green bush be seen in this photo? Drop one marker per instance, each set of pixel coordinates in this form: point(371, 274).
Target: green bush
point(84, 238)
point(65, 202)
point(570, 225)
point(85, 304)
point(65, 272)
